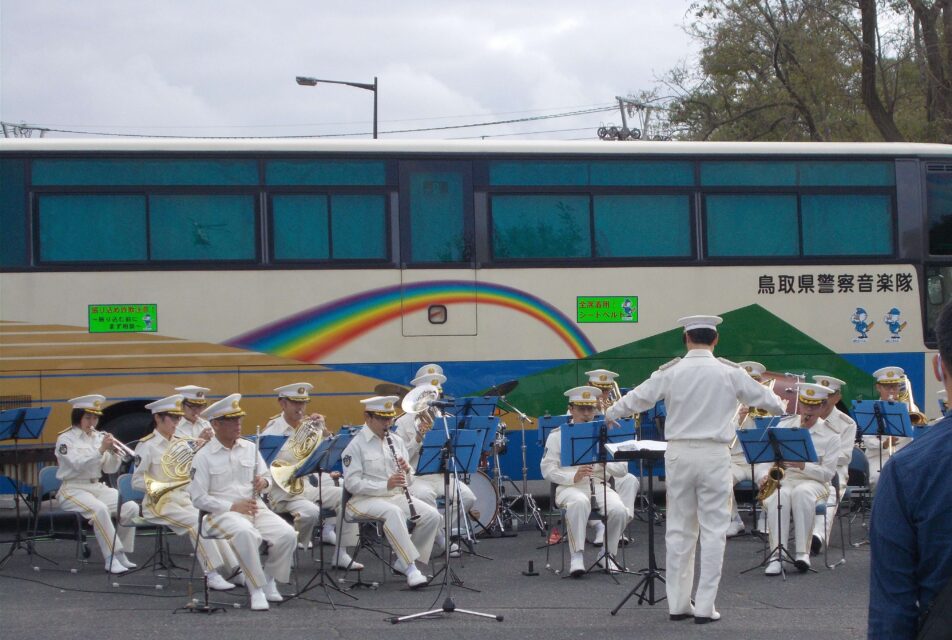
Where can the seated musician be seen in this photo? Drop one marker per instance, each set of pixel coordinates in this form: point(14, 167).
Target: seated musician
point(578, 486)
point(625, 486)
point(891, 385)
point(411, 428)
point(740, 468)
point(83, 455)
point(156, 457)
point(845, 428)
point(192, 424)
point(803, 483)
point(228, 477)
point(306, 506)
point(377, 475)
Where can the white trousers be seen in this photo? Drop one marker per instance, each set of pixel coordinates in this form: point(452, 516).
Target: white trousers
point(627, 489)
point(180, 516)
point(430, 487)
point(798, 500)
point(97, 503)
point(245, 535)
point(698, 497)
point(831, 506)
point(739, 473)
point(393, 511)
point(306, 509)
point(576, 499)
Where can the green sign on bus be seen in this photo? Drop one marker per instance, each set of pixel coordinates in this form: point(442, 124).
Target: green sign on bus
point(607, 308)
point(123, 318)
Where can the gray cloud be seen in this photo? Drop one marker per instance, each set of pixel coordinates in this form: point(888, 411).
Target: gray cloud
point(227, 68)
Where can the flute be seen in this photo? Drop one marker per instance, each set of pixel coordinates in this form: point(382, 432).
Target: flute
point(254, 476)
point(414, 516)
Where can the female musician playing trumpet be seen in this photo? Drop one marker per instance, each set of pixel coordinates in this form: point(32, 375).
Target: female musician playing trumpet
point(892, 385)
point(163, 463)
point(377, 475)
point(83, 455)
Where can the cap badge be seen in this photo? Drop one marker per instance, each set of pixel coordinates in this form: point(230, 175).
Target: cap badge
point(300, 391)
point(586, 395)
point(388, 405)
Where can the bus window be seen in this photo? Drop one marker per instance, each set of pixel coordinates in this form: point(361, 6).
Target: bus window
point(837, 225)
point(751, 225)
point(537, 226)
point(13, 213)
point(92, 228)
point(643, 227)
point(938, 293)
point(202, 227)
point(359, 227)
point(939, 203)
point(300, 228)
point(437, 208)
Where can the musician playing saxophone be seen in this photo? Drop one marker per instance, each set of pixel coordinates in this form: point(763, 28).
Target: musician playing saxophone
point(411, 428)
point(377, 474)
point(803, 483)
point(891, 385)
point(740, 468)
point(174, 510)
point(228, 476)
point(305, 507)
point(581, 486)
point(83, 454)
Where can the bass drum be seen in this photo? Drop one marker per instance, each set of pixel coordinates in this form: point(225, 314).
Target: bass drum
point(487, 501)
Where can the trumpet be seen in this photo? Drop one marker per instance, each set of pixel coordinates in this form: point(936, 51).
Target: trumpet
point(118, 448)
point(414, 516)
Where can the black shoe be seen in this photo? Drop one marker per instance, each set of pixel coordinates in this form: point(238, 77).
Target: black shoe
point(704, 620)
point(816, 546)
point(801, 566)
point(680, 616)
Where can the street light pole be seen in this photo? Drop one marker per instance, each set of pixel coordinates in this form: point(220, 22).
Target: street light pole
point(311, 82)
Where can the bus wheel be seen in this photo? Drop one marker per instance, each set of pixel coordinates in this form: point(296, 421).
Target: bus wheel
point(129, 427)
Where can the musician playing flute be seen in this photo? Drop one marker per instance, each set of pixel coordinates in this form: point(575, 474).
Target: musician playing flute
point(701, 393)
point(377, 475)
point(228, 478)
point(320, 490)
point(578, 486)
point(83, 455)
point(174, 509)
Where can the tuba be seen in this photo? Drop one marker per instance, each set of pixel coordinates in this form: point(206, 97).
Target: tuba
point(301, 444)
point(177, 465)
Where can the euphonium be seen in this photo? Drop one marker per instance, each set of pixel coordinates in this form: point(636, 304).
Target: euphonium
point(177, 465)
point(774, 477)
point(611, 393)
point(418, 403)
point(301, 444)
point(916, 417)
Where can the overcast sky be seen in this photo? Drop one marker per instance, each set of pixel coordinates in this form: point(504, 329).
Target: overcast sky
point(227, 68)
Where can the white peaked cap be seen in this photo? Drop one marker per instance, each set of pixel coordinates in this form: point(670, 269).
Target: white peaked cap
point(227, 407)
point(171, 405)
point(699, 322)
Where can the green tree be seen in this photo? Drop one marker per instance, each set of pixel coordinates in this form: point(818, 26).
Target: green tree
point(818, 70)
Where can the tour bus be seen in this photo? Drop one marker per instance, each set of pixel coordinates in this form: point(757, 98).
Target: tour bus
point(130, 267)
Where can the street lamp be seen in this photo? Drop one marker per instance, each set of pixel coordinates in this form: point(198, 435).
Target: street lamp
point(311, 82)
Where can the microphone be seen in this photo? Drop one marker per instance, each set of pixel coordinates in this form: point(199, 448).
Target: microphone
point(442, 404)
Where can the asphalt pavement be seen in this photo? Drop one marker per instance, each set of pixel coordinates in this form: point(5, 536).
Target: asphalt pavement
point(39, 598)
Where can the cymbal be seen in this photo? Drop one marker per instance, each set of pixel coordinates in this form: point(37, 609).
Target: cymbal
point(390, 389)
point(503, 388)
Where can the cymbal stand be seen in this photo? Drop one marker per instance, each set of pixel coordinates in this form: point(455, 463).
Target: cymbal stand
point(530, 511)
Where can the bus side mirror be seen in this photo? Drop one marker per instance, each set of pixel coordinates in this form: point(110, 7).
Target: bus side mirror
point(934, 289)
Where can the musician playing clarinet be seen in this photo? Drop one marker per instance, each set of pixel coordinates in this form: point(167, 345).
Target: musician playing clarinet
point(377, 475)
point(582, 486)
point(701, 393)
point(228, 478)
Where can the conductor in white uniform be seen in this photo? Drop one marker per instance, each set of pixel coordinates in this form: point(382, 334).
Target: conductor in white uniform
point(701, 393)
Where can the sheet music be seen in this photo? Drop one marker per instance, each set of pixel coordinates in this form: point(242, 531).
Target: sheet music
point(636, 445)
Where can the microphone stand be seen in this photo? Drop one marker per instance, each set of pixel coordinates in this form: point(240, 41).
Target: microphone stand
point(530, 511)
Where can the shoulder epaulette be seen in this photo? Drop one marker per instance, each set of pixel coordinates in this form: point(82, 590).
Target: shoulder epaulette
point(65, 430)
point(729, 363)
point(149, 436)
point(669, 364)
point(274, 417)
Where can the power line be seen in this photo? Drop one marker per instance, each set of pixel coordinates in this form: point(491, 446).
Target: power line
point(566, 114)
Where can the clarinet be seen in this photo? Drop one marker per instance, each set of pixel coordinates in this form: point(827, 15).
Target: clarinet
point(591, 484)
point(414, 516)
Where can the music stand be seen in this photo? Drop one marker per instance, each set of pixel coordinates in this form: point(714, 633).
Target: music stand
point(882, 418)
point(324, 456)
point(458, 451)
point(584, 443)
point(268, 446)
point(473, 406)
point(777, 445)
point(653, 572)
point(488, 427)
point(16, 425)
